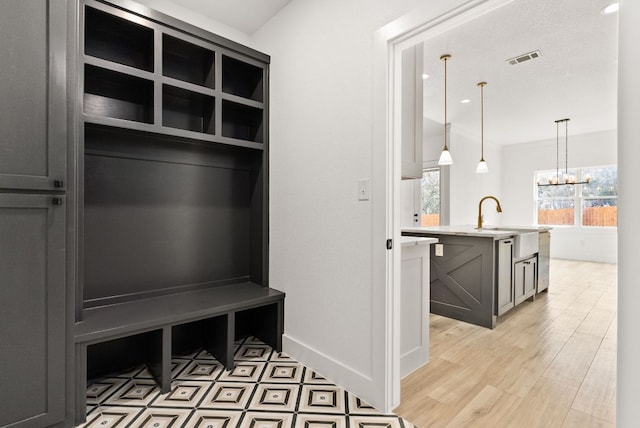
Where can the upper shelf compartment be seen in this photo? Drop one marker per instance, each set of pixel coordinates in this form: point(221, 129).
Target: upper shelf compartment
point(118, 40)
point(242, 79)
point(187, 62)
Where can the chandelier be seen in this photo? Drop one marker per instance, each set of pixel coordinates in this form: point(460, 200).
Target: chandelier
point(566, 178)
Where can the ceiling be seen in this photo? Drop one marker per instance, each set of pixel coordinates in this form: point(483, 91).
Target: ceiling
point(244, 15)
point(574, 77)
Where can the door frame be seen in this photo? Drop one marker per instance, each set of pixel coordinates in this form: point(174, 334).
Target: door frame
point(390, 40)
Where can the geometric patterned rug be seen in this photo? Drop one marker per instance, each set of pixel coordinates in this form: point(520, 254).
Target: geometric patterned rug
point(266, 389)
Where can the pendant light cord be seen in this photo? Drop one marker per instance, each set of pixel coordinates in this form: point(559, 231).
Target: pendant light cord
point(445, 58)
point(481, 84)
point(557, 150)
point(566, 147)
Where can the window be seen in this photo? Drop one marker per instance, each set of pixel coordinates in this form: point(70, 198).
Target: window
point(430, 198)
point(591, 204)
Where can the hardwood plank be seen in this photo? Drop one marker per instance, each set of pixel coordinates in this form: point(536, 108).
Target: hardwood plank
point(597, 322)
point(576, 419)
point(573, 361)
point(597, 394)
point(487, 407)
point(546, 406)
point(427, 413)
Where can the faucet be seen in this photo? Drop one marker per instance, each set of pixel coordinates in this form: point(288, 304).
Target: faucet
point(498, 208)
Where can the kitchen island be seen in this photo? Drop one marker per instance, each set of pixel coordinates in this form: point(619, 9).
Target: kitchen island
point(479, 274)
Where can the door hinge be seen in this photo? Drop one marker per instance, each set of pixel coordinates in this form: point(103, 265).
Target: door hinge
point(56, 201)
point(389, 244)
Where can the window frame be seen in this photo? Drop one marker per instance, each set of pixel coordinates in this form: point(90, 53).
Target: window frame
point(578, 197)
point(444, 189)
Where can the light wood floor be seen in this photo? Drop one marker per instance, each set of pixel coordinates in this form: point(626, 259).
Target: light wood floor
point(548, 363)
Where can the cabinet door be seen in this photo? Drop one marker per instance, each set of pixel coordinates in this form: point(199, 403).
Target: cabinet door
point(414, 308)
point(544, 255)
point(524, 279)
point(530, 270)
point(410, 203)
point(32, 94)
point(519, 278)
point(32, 327)
point(412, 120)
point(506, 298)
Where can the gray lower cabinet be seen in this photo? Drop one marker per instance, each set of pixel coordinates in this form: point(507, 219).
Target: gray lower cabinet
point(544, 256)
point(32, 94)
point(32, 310)
point(524, 278)
point(505, 295)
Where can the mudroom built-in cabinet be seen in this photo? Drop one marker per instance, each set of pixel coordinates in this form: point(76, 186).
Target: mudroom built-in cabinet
point(133, 198)
point(33, 204)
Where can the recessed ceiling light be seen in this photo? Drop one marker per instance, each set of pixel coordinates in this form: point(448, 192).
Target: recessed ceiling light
point(425, 76)
point(465, 101)
point(612, 8)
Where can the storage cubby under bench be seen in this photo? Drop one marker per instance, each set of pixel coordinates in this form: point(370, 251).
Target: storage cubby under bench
point(150, 331)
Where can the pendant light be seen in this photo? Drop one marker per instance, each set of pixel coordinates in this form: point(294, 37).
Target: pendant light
point(482, 165)
point(566, 179)
point(445, 156)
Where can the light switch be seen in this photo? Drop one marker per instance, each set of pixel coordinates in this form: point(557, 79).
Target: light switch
point(363, 189)
point(439, 250)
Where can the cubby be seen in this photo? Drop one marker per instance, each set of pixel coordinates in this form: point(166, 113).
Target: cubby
point(116, 95)
point(118, 40)
point(242, 79)
point(242, 122)
point(119, 355)
point(187, 110)
point(187, 62)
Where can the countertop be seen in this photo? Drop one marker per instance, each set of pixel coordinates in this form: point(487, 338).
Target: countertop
point(409, 241)
point(489, 231)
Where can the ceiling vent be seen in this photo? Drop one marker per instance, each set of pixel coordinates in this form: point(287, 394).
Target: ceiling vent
point(524, 57)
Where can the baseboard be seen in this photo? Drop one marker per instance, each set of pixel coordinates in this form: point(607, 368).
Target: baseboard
point(335, 371)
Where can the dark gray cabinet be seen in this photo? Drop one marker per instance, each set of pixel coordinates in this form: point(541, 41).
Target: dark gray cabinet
point(32, 94)
point(504, 269)
point(524, 279)
point(32, 310)
point(133, 198)
point(33, 179)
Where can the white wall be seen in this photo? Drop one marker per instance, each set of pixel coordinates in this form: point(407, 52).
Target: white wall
point(519, 163)
point(321, 243)
point(199, 20)
point(628, 378)
point(468, 187)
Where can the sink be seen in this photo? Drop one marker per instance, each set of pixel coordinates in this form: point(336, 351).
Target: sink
point(525, 244)
point(525, 240)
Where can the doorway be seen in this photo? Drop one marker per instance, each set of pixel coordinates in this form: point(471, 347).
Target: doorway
point(397, 37)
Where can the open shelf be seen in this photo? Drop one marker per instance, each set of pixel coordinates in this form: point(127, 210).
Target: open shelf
point(118, 40)
point(187, 62)
point(111, 94)
point(187, 110)
point(121, 354)
point(242, 122)
point(242, 79)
